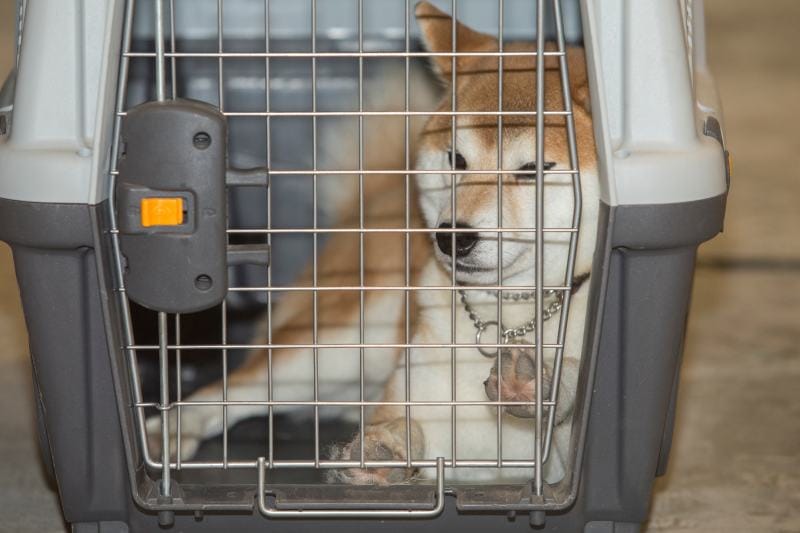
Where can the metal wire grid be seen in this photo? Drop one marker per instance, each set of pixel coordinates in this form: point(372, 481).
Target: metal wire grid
point(543, 429)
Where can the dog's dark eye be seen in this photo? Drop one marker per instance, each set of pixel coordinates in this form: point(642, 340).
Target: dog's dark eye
point(531, 167)
point(460, 162)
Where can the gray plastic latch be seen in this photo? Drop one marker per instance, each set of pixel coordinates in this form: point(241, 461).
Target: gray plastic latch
point(171, 205)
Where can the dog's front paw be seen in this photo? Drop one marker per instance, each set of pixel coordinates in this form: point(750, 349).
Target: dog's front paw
point(516, 380)
point(189, 441)
point(382, 442)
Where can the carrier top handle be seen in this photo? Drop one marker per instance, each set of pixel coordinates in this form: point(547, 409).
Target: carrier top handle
point(171, 199)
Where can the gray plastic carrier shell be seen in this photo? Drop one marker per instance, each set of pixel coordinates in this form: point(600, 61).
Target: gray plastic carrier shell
point(664, 177)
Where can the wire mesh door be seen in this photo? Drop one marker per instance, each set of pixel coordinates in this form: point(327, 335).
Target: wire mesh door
point(418, 281)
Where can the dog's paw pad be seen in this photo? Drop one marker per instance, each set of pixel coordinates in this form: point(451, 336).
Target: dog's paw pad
point(376, 448)
point(513, 376)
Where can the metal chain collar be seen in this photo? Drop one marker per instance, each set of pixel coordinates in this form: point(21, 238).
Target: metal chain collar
point(509, 334)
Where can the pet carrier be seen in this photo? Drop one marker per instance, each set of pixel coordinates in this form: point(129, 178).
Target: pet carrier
point(169, 167)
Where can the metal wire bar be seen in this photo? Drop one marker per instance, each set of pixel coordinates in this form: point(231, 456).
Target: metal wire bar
point(407, 235)
point(224, 318)
point(131, 358)
point(224, 306)
point(327, 463)
point(173, 60)
point(220, 67)
point(500, 177)
point(178, 390)
point(401, 230)
point(350, 345)
point(323, 288)
point(576, 218)
point(163, 354)
point(160, 53)
point(335, 403)
point(361, 306)
point(453, 219)
point(336, 55)
point(270, 388)
point(315, 255)
point(362, 113)
point(178, 361)
point(163, 367)
point(413, 172)
point(539, 262)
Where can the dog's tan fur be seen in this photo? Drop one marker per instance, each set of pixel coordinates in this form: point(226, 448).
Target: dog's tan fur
point(384, 258)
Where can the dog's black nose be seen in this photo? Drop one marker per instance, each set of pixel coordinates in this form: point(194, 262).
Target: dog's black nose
point(465, 241)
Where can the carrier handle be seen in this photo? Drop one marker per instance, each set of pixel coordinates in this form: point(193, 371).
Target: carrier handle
point(272, 512)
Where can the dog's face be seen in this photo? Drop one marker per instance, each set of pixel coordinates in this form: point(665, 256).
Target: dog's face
point(478, 196)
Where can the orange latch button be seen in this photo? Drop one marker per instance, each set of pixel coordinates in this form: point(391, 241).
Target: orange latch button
point(162, 212)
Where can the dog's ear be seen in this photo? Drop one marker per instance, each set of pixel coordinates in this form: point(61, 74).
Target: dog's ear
point(578, 79)
point(437, 36)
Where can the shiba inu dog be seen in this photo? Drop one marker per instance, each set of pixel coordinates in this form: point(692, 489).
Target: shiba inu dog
point(421, 384)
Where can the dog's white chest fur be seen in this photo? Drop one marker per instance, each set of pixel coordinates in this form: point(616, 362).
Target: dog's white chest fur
point(434, 371)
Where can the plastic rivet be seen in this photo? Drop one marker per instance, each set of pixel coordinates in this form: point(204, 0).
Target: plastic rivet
point(203, 282)
point(201, 140)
